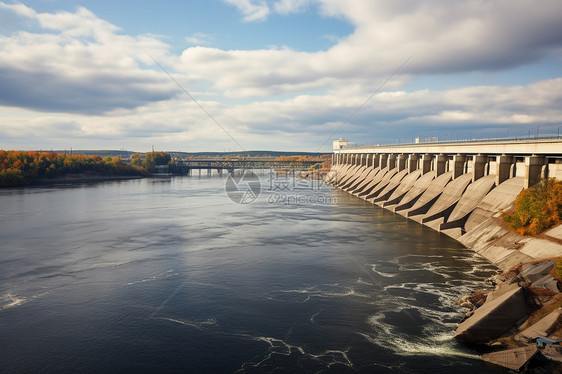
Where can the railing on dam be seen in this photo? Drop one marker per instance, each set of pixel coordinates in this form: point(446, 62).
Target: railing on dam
point(520, 139)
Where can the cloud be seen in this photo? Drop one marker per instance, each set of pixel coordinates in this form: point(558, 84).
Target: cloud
point(88, 93)
point(303, 122)
point(199, 38)
point(93, 84)
point(259, 10)
point(291, 6)
point(18, 9)
point(78, 65)
point(253, 10)
point(442, 36)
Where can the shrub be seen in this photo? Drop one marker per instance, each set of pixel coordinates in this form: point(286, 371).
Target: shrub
point(558, 269)
point(537, 208)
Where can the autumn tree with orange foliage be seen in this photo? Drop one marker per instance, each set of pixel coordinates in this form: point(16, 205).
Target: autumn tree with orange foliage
point(18, 168)
point(537, 208)
point(325, 160)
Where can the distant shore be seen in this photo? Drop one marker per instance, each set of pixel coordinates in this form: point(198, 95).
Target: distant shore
point(83, 178)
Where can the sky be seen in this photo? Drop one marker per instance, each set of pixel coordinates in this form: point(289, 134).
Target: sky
point(240, 75)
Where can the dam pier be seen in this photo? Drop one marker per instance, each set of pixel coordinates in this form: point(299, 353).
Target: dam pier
point(452, 187)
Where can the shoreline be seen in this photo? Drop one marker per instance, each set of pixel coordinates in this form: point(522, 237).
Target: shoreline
point(81, 178)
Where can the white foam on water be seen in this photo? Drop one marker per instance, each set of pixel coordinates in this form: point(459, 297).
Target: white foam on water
point(427, 266)
point(481, 268)
point(398, 258)
point(164, 275)
point(440, 338)
point(10, 300)
point(413, 346)
point(436, 337)
point(361, 281)
point(382, 273)
point(338, 357)
point(197, 324)
point(278, 346)
point(108, 264)
point(311, 319)
point(301, 290)
point(447, 292)
point(445, 314)
point(317, 292)
point(435, 304)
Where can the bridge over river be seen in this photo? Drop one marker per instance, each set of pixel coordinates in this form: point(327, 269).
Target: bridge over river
point(222, 164)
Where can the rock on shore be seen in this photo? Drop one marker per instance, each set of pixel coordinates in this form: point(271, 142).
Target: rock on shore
point(525, 304)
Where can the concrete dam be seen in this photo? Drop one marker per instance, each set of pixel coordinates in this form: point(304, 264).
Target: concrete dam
point(451, 187)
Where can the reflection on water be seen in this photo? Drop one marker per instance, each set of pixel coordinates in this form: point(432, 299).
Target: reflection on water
point(171, 275)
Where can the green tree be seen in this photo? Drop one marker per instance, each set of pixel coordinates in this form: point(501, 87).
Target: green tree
point(135, 159)
point(155, 158)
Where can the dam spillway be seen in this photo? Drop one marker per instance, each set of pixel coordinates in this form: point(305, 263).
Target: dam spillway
point(451, 187)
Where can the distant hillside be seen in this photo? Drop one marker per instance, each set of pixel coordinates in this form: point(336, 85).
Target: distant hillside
point(248, 153)
point(104, 153)
point(100, 152)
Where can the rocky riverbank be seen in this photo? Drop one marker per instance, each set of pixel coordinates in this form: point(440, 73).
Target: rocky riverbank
point(517, 319)
point(515, 310)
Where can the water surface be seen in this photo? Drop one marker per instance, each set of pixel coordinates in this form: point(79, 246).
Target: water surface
point(170, 275)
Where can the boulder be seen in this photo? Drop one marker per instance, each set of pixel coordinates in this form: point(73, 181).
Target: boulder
point(501, 289)
point(494, 318)
point(513, 359)
point(537, 270)
point(478, 298)
point(547, 282)
point(552, 352)
point(542, 327)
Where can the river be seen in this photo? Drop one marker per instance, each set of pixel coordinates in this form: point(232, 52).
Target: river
point(171, 275)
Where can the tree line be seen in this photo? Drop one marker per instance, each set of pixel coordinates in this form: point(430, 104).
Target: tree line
point(18, 168)
point(325, 160)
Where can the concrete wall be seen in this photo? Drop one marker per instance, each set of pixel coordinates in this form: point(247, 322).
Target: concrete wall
point(449, 192)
